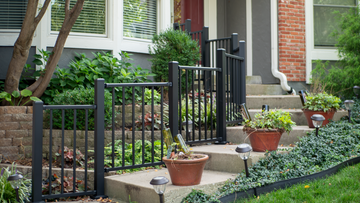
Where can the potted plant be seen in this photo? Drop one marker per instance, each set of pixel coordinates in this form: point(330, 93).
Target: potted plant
point(321, 103)
point(265, 129)
point(185, 168)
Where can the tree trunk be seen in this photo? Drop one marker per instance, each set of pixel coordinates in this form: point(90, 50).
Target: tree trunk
point(24, 41)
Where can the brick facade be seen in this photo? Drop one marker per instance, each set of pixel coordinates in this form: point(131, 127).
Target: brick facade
point(292, 49)
point(15, 131)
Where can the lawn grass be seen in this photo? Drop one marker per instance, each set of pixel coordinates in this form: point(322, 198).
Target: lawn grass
point(344, 186)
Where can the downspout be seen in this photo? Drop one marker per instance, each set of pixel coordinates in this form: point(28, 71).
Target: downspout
point(274, 50)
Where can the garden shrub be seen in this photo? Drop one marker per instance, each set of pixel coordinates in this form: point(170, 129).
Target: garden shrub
point(172, 45)
point(83, 71)
point(78, 96)
point(340, 80)
point(322, 102)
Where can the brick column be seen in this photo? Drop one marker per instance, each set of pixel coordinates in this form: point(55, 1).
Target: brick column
point(292, 49)
point(15, 131)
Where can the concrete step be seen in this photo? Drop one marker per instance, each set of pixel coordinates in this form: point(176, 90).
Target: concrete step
point(254, 79)
point(264, 89)
point(298, 116)
point(237, 135)
point(274, 101)
point(137, 186)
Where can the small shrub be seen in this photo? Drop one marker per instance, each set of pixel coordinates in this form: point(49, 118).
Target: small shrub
point(173, 45)
point(56, 185)
point(78, 96)
point(322, 102)
point(69, 157)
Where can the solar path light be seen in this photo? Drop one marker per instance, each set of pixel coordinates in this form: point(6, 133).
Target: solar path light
point(159, 184)
point(15, 181)
point(348, 106)
point(244, 153)
point(317, 120)
point(357, 91)
point(189, 125)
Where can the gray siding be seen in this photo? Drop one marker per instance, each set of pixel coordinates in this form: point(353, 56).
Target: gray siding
point(261, 25)
point(231, 18)
point(6, 54)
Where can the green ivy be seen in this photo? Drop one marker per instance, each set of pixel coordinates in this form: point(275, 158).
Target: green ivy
point(274, 119)
point(198, 196)
point(322, 102)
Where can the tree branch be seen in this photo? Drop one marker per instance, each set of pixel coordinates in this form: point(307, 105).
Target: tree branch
point(67, 7)
point(42, 11)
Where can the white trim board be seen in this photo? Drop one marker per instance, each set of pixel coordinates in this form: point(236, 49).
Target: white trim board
point(249, 51)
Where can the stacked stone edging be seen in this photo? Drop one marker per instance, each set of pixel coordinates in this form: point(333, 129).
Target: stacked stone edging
point(15, 131)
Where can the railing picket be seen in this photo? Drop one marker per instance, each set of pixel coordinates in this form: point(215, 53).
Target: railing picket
point(133, 125)
point(205, 105)
point(187, 105)
point(193, 104)
point(152, 125)
point(74, 153)
point(143, 124)
point(162, 121)
point(113, 129)
point(50, 150)
point(180, 103)
point(123, 128)
point(62, 148)
point(86, 147)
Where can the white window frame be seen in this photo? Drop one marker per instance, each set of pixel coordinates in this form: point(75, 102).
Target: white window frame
point(312, 52)
point(142, 45)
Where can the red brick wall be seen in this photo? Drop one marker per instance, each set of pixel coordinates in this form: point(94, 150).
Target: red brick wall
point(292, 54)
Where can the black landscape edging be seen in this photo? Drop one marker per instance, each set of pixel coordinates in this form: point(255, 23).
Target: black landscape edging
point(287, 183)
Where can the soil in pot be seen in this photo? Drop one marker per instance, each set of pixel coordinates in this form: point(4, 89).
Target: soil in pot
point(262, 140)
point(328, 115)
point(185, 171)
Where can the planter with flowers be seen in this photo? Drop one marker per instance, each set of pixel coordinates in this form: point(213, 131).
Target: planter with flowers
point(321, 103)
point(265, 130)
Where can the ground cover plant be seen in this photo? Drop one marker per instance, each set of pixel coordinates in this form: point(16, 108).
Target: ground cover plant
point(341, 187)
point(336, 143)
point(7, 193)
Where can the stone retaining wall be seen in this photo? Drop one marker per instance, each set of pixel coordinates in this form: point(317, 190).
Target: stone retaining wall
point(15, 131)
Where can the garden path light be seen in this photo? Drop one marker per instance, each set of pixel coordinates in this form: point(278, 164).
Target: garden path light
point(159, 184)
point(349, 104)
point(15, 181)
point(317, 120)
point(244, 153)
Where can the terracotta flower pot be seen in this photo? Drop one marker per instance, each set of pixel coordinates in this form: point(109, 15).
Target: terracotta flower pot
point(328, 115)
point(186, 172)
point(262, 140)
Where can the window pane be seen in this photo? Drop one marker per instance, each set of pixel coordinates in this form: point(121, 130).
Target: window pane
point(336, 2)
point(140, 18)
point(325, 22)
point(91, 19)
point(12, 13)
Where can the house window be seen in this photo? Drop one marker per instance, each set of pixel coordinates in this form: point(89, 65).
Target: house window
point(12, 13)
point(92, 19)
point(140, 18)
point(325, 21)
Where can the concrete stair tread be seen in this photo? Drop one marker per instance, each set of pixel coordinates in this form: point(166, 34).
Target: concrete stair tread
point(137, 185)
point(264, 89)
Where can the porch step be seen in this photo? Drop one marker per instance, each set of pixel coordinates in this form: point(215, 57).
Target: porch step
point(274, 101)
point(137, 186)
point(264, 89)
point(254, 79)
point(237, 135)
point(298, 116)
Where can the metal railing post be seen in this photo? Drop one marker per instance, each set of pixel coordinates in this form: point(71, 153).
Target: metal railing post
point(220, 100)
point(174, 97)
point(205, 56)
point(99, 138)
point(187, 26)
point(176, 26)
point(37, 143)
point(234, 46)
point(242, 73)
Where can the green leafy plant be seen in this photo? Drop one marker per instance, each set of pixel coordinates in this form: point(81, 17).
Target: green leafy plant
point(129, 155)
point(340, 79)
point(273, 119)
point(198, 196)
point(7, 193)
point(322, 102)
point(16, 97)
point(78, 96)
point(148, 122)
point(148, 96)
point(83, 71)
point(173, 45)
